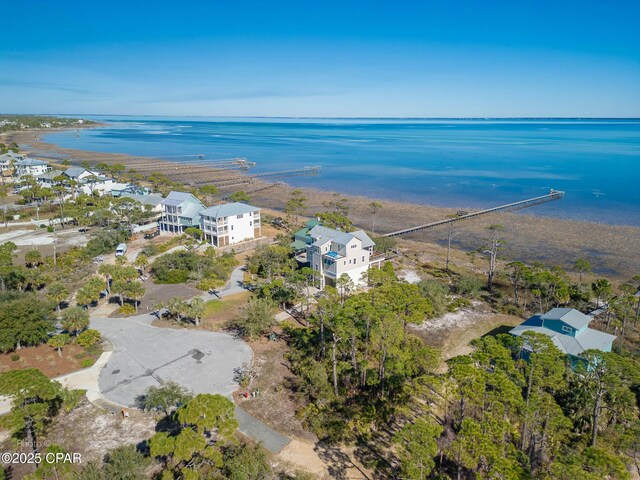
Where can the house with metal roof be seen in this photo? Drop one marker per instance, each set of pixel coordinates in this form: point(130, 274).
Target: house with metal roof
point(152, 201)
point(8, 159)
point(302, 238)
point(230, 223)
point(568, 329)
point(333, 253)
point(46, 180)
point(30, 166)
point(180, 211)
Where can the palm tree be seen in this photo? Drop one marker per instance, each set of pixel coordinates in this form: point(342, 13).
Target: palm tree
point(57, 293)
point(59, 341)
point(196, 310)
point(142, 262)
point(75, 319)
point(177, 308)
point(135, 291)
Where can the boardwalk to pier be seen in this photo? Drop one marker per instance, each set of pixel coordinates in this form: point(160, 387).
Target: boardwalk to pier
point(530, 202)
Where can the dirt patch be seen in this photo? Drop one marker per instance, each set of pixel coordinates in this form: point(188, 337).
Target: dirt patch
point(452, 332)
point(92, 431)
point(276, 404)
point(46, 359)
point(302, 455)
point(410, 276)
point(157, 293)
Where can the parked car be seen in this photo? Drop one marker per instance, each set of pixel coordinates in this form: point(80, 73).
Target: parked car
point(121, 249)
point(153, 234)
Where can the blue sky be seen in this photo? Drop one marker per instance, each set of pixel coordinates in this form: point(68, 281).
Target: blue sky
point(370, 58)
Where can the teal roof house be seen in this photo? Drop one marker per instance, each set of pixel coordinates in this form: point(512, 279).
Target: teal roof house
point(302, 238)
point(180, 211)
point(569, 330)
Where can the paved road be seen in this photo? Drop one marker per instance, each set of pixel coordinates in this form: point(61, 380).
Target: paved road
point(233, 286)
point(259, 432)
point(145, 356)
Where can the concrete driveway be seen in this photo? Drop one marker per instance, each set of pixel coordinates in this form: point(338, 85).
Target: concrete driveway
point(145, 356)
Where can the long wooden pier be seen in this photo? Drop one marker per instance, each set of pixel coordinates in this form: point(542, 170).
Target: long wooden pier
point(259, 189)
point(530, 202)
point(242, 179)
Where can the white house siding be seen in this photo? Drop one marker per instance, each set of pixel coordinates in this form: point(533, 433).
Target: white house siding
point(335, 253)
point(232, 229)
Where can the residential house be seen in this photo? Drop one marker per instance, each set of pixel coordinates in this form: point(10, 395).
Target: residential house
point(30, 166)
point(569, 330)
point(7, 160)
point(230, 223)
point(333, 253)
point(46, 180)
point(152, 201)
point(180, 211)
point(301, 239)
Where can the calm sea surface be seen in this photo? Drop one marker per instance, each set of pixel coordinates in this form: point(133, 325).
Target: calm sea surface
point(467, 164)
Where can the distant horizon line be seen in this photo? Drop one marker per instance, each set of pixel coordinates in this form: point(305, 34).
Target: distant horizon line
point(313, 117)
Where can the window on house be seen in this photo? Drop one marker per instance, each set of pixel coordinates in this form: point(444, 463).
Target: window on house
point(250, 224)
point(231, 227)
point(239, 216)
point(345, 262)
point(363, 259)
point(567, 329)
point(353, 246)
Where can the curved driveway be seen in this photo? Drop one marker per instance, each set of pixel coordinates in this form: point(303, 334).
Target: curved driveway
point(145, 356)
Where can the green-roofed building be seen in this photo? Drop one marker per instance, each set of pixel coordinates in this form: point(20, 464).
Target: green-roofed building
point(301, 238)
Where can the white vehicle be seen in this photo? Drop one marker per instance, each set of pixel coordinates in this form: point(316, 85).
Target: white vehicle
point(121, 249)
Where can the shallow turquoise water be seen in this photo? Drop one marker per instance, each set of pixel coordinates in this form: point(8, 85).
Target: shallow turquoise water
point(466, 164)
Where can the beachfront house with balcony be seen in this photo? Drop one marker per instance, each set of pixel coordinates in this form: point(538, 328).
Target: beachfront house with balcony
point(569, 331)
point(180, 211)
point(30, 166)
point(333, 253)
point(230, 223)
point(7, 160)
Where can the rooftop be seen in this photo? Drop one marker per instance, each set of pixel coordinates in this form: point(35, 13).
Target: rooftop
point(570, 316)
point(30, 162)
point(74, 172)
point(228, 210)
point(153, 199)
point(589, 339)
point(321, 235)
point(175, 199)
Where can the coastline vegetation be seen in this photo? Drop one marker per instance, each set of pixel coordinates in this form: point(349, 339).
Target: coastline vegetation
point(12, 123)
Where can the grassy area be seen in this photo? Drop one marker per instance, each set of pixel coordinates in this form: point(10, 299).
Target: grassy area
point(218, 312)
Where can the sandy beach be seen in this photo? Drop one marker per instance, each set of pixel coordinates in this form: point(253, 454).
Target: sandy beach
point(613, 250)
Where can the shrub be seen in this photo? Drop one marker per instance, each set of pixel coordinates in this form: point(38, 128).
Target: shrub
point(256, 319)
point(105, 241)
point(150, 250)
point(87, 362)
point(467, 286)
point(127, 309)
point(15, 357)
point(88, 338)
point(457, 304)
point(50, 229)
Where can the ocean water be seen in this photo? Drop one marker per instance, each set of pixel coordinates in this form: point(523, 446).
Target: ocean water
point(466, 164)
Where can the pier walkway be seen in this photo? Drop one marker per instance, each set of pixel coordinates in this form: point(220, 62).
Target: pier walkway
point(530, 202)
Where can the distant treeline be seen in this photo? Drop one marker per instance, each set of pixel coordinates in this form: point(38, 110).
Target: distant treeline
point(10, 123)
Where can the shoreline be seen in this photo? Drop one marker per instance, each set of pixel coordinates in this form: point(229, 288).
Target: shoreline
point(613, 250)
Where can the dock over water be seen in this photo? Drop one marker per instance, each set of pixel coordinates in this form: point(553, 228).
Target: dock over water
point(530, 202)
